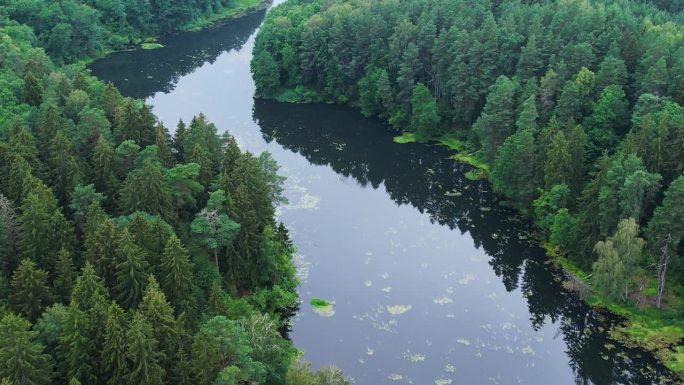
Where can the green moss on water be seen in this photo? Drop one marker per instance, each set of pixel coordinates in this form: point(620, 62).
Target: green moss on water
point(406, 137)
point(151, 45)
point(319, 302)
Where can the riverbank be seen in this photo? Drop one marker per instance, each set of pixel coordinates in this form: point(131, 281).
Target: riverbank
point(657, 330)
point(240, 8)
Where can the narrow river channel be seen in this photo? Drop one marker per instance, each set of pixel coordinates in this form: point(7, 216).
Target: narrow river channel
point(433, 282)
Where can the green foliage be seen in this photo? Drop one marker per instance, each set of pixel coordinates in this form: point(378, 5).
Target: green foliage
point(511, 174)
point(424, 117)
point(24, 362)
point(143, 355)
point(618, 257)
point(30, 290)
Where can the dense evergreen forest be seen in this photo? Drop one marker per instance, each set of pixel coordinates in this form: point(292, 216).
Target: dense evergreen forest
point(70, 30)
point(128, 256)
point(572, 108)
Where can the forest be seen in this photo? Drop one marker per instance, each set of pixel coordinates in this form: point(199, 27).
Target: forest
point(72, 30)
point(572, 109)
point(128, 255)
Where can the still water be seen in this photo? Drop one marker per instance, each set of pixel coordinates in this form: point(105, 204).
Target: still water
point(433, 282)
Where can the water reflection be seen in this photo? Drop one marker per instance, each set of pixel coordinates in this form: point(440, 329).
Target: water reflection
point(142, 73)
point(425, 178)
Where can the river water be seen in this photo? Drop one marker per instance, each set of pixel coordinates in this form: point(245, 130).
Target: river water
point(433, 282)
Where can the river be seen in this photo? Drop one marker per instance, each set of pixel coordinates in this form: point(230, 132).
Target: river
point(433, 281)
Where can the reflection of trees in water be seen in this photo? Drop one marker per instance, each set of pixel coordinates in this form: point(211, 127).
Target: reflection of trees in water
point(142, 73)
point(425, 178)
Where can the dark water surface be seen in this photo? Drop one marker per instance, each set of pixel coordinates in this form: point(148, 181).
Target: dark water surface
point(433, 282)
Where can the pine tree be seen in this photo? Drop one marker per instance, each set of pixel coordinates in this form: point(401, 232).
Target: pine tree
point(44, 229)
point(114, 348)
point(586, 88)
point(176, 274)
point(158, 313)
point(23, 360)
point(612, 70)
point(142, 354)
point(656, 80)
point(163, 142)
point(100, 250)
point(497, 120)
point(513, 174)
point(424, 116)
point(530, 61)
point(667, 218)
point(103, 168)
point(80, 352)
point(89, 291)
point(19, 170)
point(145, 190)
point(110, 100)
point(33, 92)
point(199, 157)
point(30, 290)
point(527, 120)
point(65, 275)
point(63, 167)
point(131, 271)
point(9, 235)
point(557, 167)
point(568, 108)
point(179, 141)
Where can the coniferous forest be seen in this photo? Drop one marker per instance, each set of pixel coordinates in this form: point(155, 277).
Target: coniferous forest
point(572, 109)
point(127, 255)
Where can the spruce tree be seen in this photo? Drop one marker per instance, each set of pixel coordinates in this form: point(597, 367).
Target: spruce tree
point(497, 120)
point(527, 120)
point(114, 348)
point(175, 274)
point(557, 167)
point(131, 271)
point(65, 275)
point(142, 354)
point(23, 360)
point(30, 290)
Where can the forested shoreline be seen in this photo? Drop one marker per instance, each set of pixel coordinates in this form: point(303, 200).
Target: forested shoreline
point(128, 255)
point(74, 30)
point(572, 108)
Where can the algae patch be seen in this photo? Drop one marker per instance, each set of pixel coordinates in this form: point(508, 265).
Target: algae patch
point(323, 307)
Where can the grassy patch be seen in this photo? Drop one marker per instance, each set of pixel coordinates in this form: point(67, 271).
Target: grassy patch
point(299, 94)
point(151, 45)
point(319, 302)
point(475, 174)
point(236, 9)
point(406, 137)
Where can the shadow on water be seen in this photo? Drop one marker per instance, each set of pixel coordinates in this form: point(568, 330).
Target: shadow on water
point(425, 178)
point(142, 73)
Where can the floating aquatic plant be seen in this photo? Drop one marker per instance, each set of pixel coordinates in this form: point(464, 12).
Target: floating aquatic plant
point(398, 309)
point(323, 307)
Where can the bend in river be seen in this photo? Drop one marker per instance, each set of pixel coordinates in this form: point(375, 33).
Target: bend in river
point(433, 282)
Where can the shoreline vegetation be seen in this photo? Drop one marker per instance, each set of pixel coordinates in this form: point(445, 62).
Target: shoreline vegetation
point(578, 125)
point(128, 255)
